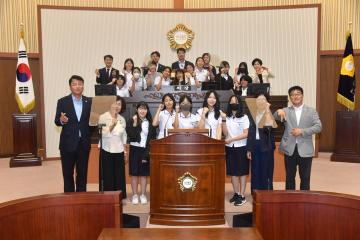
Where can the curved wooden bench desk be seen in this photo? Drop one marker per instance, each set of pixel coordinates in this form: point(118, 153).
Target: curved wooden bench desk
point(306, 215)
point(60, 216)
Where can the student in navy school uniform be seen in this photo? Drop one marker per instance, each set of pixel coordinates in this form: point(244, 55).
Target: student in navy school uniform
point(140, 131)
point(235, 126)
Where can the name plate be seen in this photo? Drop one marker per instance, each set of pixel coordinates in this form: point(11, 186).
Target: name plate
point(182, 88)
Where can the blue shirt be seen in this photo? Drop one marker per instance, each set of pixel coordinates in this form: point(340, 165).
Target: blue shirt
point(78, 104)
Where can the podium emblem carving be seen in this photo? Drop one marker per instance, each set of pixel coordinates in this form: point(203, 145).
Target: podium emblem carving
point(187, 182)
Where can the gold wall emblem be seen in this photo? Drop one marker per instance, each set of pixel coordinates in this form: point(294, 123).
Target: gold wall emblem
point(180, 37)
point(187, 182)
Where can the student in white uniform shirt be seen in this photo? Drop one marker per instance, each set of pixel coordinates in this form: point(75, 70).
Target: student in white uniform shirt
point(140, 131)
point(190, 76)
point(128, 72)
point(209, 114)
point(139, 81)
point(165, 115)
point(183, 117)
point(201, 74)
point(235, 128)
point(121, 89)
point(164, 79)
point(112, 149)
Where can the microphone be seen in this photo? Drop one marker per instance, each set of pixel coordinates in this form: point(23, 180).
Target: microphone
point(101, 125)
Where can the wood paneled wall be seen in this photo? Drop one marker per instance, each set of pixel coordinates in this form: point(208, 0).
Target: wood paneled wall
point(329, 79)
point(8, 103)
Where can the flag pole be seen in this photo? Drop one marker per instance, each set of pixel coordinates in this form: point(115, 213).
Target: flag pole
point(347, 35)
point(22, 30)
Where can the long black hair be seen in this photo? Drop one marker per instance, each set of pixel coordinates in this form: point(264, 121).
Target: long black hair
point(239, 110)
point(244, 64)
point(172, 98)
point(216, 106)
point(148, 114)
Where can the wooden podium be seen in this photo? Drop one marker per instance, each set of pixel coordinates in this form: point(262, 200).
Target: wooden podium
point(187, 179)
point(25, 141)
point(347, 140)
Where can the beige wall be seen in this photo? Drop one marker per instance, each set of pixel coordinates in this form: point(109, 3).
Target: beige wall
point(334, 20)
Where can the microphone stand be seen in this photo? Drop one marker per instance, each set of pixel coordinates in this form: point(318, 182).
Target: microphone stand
point(101, 172)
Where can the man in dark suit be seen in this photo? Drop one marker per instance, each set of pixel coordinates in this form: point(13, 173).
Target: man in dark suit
point(155, 57)
point(108, 74)
point(72, 114)
point(181, 63)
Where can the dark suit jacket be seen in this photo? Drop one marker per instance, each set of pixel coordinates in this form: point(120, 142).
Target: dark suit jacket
point(160, 69)
point(69, 137)
point(105, 78)
point(267, 140)
point(249, 92)
point(175, 65)
point(133, 134)
point(223, 83)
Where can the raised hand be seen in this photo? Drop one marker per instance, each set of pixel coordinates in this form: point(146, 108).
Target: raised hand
point(281, 114)
point(63, 118)
point(97, 72)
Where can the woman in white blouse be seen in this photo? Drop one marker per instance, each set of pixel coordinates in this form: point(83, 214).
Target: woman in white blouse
point(164, 79)
point(112, 148)
point(165, 115)
point(262, 73)
point(209, 114)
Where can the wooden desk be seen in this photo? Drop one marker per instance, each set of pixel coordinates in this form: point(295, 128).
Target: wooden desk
point(179, 233)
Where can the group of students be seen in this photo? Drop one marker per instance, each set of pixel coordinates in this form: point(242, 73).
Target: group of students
point(155, 76)
point(247, 137)
point(239, 130)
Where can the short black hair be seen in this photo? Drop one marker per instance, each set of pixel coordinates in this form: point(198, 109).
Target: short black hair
point(198, 58)
point(246, 78)
point(224, 64)
point(75, 77)
point(180, 49)
point(206, 54)
point(156, 53)
point(293, 88)
point(108, 56)
point(191, 64)
point(187, 97)
point(167, 67)
point(123, 103)
point(121, 77)
point(137, 68)
point(256, 60)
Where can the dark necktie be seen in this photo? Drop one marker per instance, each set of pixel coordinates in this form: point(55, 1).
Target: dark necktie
point(260, 78)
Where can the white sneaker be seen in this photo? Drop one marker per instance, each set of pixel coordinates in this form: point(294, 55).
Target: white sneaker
point(135, 199)
point(143, 199)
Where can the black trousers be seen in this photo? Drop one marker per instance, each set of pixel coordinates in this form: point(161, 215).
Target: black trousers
point(113, 170)
point(291, 163)
point(79, 160)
